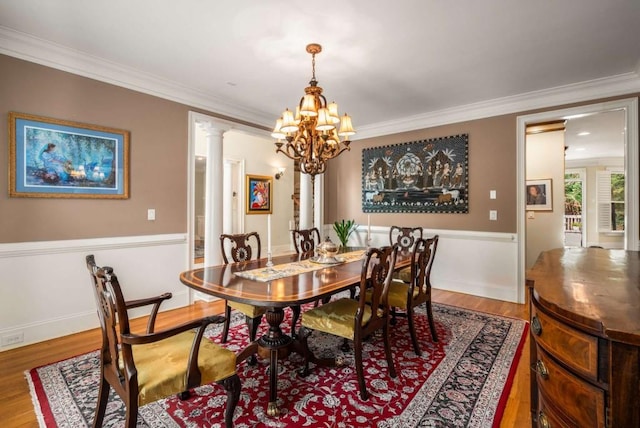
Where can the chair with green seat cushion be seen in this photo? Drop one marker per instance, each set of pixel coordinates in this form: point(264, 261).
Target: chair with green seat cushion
point(357, 319)
point(143, 368)
point(407, 297)
point(240, 248)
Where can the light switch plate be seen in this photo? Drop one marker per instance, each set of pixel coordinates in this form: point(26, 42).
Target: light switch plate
point(492, 194)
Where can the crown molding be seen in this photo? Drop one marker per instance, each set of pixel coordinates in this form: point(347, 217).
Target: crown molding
point(622, 84)
point(29, 48)
point(43, 52)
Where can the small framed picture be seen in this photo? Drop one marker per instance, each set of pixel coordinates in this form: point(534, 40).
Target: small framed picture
point(259, 189)
point(54, 158)
point(539, 195)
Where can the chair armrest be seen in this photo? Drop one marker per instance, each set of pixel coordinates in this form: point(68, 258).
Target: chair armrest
point(155, 301)
point(139, 339)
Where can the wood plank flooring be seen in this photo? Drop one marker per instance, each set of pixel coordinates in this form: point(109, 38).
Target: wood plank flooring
point(16, 409)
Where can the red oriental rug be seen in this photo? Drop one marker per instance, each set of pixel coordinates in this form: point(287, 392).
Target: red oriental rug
point(461, 381)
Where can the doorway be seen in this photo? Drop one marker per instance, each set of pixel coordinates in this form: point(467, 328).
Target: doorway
point(630, 109)
point(575, 215)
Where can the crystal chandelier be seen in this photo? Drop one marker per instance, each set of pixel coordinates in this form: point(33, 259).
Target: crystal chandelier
point(310, 136)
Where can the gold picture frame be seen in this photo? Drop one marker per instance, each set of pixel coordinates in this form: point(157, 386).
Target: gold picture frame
point(259, 194)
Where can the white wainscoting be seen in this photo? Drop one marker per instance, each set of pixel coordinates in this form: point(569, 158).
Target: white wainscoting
point(45, 290)
point(480, 263)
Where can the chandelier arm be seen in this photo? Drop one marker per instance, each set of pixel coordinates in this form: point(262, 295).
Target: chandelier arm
point(284, 153)
point(324, 100)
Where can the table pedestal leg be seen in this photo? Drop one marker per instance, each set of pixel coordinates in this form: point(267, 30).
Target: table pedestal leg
point(277, 345)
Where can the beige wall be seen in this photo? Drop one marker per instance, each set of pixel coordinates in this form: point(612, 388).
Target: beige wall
point(158, 157)
point(545, 159)
point(492, 160)
point(159, 164)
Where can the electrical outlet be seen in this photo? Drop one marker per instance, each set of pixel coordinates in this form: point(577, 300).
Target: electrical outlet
point(12, 339)
point(492, 194)
point(151, 214)
point(493, 215)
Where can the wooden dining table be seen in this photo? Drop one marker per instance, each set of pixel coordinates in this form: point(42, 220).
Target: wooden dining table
point(275, 295)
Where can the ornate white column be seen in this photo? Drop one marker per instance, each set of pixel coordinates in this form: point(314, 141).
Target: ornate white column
point(318, 203)
point(306, 202)
point(214, 194)
point(227, 218)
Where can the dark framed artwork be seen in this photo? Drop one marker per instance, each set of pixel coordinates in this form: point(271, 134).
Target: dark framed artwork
point(539, 195)
point(259, 194)
point(53, 158)
point(429, 176)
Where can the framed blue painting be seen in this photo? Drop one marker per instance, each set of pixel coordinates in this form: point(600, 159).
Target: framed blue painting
point(53, 158)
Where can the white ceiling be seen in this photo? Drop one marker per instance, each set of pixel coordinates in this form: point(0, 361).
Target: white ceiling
point(407, 62)
point(596, 136)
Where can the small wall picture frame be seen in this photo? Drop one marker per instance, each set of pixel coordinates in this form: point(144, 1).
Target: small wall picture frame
point(259, 194)
point(539, 195)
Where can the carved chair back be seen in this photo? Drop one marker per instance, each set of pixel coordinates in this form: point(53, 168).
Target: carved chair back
point(422, 261)
point(404, 237)
point(113, 317)
point(241, 247)
point(376, 275)
point(305, 240)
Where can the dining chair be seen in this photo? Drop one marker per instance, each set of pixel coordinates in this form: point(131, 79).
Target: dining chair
point(241, 247)
point(408, 297)
point(142, 368)
point(405, 238)
point(305, 240)
point(357, 319)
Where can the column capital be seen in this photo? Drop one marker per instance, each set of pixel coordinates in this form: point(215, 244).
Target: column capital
point(212, 128)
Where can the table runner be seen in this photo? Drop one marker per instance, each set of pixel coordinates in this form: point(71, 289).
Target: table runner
point(266, 274)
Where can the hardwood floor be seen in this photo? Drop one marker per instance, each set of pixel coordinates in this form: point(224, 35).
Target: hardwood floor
point(16, 409)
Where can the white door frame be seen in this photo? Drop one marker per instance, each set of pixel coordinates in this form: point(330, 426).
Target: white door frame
point(630, 107)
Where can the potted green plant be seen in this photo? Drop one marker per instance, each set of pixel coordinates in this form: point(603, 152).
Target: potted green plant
point(576, 225)
point(344, 229)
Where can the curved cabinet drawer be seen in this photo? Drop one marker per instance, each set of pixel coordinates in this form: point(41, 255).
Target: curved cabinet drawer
point(574, 348)
point(546, 417)
point(579, 400)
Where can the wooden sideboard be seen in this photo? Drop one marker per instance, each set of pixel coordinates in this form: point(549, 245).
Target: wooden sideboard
point(585, 338)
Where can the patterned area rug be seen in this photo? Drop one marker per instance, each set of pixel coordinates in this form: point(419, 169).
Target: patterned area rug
point(461, 381)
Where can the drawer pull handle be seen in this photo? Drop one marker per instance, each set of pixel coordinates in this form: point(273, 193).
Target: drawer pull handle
point(544, 421)
point(542, 369)
point(536, 327)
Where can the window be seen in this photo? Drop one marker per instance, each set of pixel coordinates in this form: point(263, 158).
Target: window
point(610, 200)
